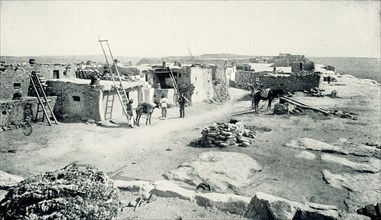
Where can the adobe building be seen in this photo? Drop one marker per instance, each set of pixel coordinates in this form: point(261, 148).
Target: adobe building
point(71, 99)
point(197, 76)
point(77, 100)
point(15, 105)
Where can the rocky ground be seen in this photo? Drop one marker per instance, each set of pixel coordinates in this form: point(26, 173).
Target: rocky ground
point(305, 158)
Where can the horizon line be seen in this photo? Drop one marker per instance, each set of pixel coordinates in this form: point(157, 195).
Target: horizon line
point(242, 55)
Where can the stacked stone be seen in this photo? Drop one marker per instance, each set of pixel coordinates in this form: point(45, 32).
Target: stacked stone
point(225, 135)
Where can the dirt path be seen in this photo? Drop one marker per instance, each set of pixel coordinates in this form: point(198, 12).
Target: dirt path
point(142, 149)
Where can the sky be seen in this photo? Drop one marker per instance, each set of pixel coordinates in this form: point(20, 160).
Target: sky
point(169, 28)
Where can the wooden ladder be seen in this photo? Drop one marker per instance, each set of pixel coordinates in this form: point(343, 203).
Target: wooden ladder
point(109, 106)
point(43, 103)
point(122, 95)
point(173, 81)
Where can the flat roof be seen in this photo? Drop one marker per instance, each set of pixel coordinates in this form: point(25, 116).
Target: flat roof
point(105, 84)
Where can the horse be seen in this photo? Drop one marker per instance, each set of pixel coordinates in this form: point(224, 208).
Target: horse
point(272, 93)
point(145, 107)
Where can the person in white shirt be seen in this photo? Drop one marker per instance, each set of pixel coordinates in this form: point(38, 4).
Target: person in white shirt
point(163, 106)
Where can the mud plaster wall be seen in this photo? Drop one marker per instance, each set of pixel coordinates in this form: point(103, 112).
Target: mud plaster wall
point(201, 78)
point(14, 112)
point(288, 83)
point(137, 94)
point(75, 101)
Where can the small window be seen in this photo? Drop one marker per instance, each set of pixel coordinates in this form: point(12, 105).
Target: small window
point(4, 112)
point(179, 74)
point(56, 74)
point(76, 98)
point(16, 85)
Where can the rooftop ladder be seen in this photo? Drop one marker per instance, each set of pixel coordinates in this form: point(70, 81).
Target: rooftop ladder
point(43, 103)
point(122, 95)
point(173, 81)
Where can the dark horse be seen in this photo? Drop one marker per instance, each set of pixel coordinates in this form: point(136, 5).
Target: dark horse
point(273, 93)
point(145, 107)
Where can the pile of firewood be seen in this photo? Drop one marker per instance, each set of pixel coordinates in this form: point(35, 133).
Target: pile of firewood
point(74, 192)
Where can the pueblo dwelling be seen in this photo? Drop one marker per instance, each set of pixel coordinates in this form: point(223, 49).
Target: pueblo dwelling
point(74, 99)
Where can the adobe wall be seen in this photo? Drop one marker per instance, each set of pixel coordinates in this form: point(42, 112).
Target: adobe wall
point(288, 83)
point(201, 78)
point(135, 94)
point(76, 101)
point(13, 113)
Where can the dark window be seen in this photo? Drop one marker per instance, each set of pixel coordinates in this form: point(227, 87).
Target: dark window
point(16, 85)
point(76, 98)
point(56, 74)
point(179, 74)
point(4, 112)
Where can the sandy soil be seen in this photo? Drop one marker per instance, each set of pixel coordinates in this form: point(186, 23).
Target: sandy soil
point(149, 151)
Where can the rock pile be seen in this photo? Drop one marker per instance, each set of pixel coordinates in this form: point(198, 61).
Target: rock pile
point(226, 134)
point(74, 192)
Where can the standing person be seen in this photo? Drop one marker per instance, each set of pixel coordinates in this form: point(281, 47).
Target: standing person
point(129, 113)
point(163, 106)
point(329, 79)
point(182, 101)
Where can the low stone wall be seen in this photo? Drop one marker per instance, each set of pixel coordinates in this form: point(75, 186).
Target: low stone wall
point(13, 113)
point(288, 83)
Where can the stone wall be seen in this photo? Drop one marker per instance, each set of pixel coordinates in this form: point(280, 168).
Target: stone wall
point(288, 83)
point(9, 78)
point(13, 113)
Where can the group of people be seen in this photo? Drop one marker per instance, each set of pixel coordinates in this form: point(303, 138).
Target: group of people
point(163, 104)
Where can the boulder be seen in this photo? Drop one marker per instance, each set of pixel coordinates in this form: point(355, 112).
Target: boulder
point(8, 180)
point(265, 206)
point(165, 188)
point(363, 188)
point(343, 147)
point(225, 172)
point(312, 144)
point(371, 165)
point(372, 211)
point(226, 202)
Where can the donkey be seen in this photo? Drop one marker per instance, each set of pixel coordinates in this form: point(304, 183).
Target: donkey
point(145, 107)
point(271, 94)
